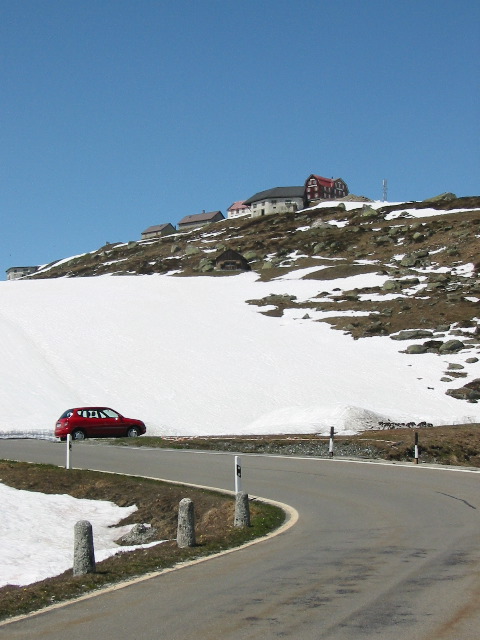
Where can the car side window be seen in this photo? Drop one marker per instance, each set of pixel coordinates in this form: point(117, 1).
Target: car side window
point(111, 413)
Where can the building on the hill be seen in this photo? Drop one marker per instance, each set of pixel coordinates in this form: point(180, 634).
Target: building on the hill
point(238, 210)
point(15, 273)
point(276, 200)
point(318, 188)
point(231, 260)
point(199, 220)
point(158, 230)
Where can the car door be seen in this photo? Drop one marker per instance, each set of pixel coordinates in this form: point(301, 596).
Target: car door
point(111, 422)
point(94, 423)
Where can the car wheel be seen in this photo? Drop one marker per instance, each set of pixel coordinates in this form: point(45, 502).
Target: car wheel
point(133, 432)
point(78, 434)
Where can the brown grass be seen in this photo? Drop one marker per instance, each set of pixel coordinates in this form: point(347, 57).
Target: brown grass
point(449, 444)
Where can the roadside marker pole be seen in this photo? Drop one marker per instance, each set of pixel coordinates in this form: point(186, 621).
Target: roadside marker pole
point(69, 448)
point(330, 445)
point(416, 448)
point(238, 474)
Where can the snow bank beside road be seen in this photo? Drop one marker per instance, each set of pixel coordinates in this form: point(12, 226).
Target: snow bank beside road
point(190, 357)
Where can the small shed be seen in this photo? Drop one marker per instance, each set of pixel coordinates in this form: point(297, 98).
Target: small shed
point(231, 260)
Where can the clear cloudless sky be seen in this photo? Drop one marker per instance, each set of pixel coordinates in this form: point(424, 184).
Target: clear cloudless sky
point(119, 114)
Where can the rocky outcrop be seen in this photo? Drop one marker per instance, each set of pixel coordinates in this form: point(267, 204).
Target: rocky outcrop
point(469, 392)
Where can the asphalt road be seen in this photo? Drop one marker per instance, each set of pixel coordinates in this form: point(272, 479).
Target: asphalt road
point(379, 551)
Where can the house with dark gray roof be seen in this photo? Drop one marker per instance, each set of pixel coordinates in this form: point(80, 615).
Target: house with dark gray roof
point(276, 200)
point(199, 220)
point(15, 273)
point(158, 230)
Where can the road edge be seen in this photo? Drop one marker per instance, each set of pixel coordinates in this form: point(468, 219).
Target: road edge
point(291, 518)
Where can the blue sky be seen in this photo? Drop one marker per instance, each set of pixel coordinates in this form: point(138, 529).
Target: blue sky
point(120, 114)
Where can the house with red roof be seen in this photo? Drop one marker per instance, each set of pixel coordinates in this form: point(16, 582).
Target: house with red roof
point(319, 188)
point(238, 210)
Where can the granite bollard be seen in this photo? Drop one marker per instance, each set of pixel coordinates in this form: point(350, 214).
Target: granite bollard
point(186, 524)
point(83, 551)
point(242, 510)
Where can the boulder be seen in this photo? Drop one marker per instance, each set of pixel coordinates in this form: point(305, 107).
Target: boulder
point(139, 534)
point(391, 285)
point(469, 392)
point(416, 348)
point(442, 197)
point(451, 346)
point(412, 334)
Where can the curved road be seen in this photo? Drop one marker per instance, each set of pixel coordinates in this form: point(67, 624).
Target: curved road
point(379, 551)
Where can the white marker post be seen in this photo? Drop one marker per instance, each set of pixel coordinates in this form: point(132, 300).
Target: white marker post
point(330, 445)
point(238, 474)
point(69, 448)
point(416, 448)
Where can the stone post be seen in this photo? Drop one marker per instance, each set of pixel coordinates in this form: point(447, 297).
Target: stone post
point(83, 551)
point(186, 524)
point(242, 510)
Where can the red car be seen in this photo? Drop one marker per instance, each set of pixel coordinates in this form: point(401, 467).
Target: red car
point(100, 422)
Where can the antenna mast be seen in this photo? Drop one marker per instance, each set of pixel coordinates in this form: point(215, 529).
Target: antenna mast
point(385, 190)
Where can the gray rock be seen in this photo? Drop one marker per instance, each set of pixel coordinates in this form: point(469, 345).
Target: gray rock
point(412, 334)
point(416, 348)
point(451, 346)
point(409, 282)
point(391, 285)
point(442, 197)
point(139, 534)
point(438, 277)
point(368, 212)
point(433, 344)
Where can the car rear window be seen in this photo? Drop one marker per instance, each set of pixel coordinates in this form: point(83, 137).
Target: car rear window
point(66, 414)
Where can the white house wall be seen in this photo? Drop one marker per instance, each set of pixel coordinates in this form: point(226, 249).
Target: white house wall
point(276, 205)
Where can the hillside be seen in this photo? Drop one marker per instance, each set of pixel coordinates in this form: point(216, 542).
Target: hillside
point(398, 283)
point(424, 248)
